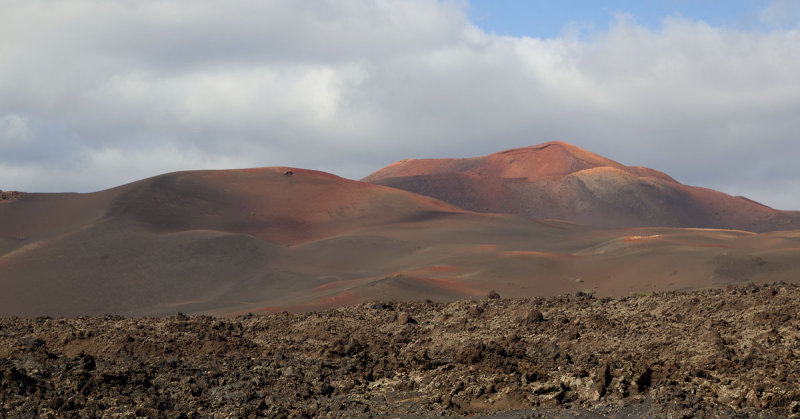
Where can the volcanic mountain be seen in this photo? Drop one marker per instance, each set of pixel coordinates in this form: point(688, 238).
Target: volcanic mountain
point(182, 237)
point(556, 180)
point(274, 239)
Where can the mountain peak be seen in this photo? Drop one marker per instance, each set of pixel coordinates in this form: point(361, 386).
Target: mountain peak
point(558, 180)
point(553, 158)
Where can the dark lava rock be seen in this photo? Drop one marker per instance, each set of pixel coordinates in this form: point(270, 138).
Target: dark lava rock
point(404, 318)
point(7, 196)
point(710, 353)
point(644, 379)
point(534, 316)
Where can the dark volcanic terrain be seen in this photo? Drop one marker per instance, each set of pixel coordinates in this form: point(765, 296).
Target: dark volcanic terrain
point(731, 352)
point(8, 196)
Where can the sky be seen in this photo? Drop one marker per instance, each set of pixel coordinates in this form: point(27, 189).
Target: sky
point(98, 93)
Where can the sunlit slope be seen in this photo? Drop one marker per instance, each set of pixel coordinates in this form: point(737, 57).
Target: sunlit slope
point(275, 239)
point(560, 181)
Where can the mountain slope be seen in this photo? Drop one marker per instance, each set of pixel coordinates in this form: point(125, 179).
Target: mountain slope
point(195, 240)
point(275, 239)
point(557, 180)
point(278, 204)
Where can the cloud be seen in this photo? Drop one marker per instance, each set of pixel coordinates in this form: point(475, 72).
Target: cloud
point(780, 14)
point(14, 130)
point(97, 93)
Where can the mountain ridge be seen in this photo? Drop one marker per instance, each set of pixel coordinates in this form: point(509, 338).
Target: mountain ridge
point(288, 239)
point(557, 180)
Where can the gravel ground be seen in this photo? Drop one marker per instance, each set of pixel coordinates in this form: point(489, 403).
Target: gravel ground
point(716, 353)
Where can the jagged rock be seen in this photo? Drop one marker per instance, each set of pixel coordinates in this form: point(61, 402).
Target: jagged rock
point(366, 360)
point(404, 318)
point(643, 379)
point(534, 316)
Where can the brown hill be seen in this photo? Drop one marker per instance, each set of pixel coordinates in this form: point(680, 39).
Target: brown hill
point(557, 180)
point(263, 240)
point(181, 238)
point(278, 204)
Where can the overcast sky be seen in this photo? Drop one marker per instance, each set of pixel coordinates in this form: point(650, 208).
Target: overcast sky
point(94, 94)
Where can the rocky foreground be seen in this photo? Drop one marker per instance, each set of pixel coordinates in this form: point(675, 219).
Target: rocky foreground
point(725, 353)
point(8, 196)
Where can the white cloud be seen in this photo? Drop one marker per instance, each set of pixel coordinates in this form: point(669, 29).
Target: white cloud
point(781, 14)
point(117, 166)
point(14, 130)
point(121, 90)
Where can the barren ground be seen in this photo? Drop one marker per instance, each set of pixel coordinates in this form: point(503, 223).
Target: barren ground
point(260, 240)
point(731, 352)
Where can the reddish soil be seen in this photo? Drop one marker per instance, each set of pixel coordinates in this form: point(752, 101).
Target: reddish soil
point(222, 242)
point(279, 204)
point(183, 239)
point(280, 240)
point(557, 180)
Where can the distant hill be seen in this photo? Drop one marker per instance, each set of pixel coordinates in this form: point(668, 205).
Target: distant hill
point(277, 238)
point(278, 204)
point(556, 180)
point(201, 238)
